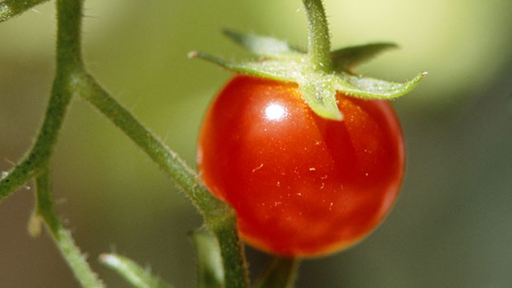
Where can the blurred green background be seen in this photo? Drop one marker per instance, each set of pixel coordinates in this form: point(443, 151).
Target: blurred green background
point(450, 228)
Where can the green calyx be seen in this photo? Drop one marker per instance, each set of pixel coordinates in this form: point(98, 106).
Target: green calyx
point(319, 73)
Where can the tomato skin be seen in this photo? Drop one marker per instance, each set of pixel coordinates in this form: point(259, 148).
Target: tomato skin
point(301, 185)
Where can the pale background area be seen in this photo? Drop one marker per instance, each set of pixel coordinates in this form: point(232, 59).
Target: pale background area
point(451, 226)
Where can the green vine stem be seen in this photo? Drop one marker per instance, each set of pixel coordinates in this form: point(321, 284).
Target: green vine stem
point(69, 16)
point(71, 77)
point(319, 47)
point(43, 148)
point(37, 162)
point(11, 8)
point(45, 210)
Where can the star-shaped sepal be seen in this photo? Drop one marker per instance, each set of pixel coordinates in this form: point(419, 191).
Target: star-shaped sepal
point(280, 61)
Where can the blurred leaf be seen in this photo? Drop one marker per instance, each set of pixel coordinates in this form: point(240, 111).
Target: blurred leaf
point(261, 45)
point(209, 261)
point(281, 273)
point(132, 272)
point(277, 70)
point(347, 58)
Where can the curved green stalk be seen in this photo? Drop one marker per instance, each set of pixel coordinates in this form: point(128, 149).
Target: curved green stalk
point(36, 163)
point(11, 8)
point(69, 21)
point(319, 47)
point(42, 150)
point(45, 210)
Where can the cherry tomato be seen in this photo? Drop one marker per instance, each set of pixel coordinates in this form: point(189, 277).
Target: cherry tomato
point(301, 185)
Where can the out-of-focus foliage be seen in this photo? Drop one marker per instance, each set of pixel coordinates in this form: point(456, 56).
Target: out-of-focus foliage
point(450, 227)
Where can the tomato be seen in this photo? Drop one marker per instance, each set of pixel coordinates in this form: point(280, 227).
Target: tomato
point(301, 185)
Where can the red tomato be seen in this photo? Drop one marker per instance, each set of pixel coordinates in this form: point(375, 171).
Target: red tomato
point(301, 185)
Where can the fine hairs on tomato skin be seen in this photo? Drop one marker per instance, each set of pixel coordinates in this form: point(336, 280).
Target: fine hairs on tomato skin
point(301, 185)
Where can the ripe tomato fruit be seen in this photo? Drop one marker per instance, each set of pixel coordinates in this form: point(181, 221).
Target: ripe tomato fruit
point(301, 185)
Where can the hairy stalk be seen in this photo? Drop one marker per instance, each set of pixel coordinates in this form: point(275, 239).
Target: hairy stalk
point(46, 211)
point(69, 15)
point(219, 217)
point(11, 8)
point(319, 47)
point(43, 148)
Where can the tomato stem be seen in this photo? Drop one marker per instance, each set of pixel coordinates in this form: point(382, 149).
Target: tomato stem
point(45, 211)
point(319, 46)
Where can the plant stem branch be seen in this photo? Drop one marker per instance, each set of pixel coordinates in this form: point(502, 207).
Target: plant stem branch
point(46, 211)
point(43, 148)
point(319, 38)
point(36, 163)
point(219, 217)
point(69, 39)
point(68, 62)
point(11, 8)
